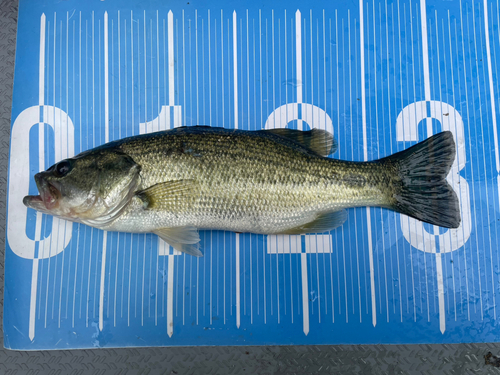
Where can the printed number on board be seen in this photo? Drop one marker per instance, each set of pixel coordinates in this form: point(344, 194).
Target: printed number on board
point(19, 180)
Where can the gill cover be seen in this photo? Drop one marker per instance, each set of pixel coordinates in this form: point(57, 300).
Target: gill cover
point(117, 181)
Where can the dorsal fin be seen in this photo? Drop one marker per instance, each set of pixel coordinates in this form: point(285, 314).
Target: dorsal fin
point(317, 140)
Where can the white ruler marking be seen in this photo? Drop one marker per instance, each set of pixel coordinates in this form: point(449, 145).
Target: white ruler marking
point(235, 87)
point(106, 139)
point(365, 155)
point(305, 293)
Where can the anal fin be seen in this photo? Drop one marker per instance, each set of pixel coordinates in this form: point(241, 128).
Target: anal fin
point(184, 239)
point(323, 223)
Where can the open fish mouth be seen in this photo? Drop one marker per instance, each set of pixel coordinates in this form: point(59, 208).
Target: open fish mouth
point(48, 198)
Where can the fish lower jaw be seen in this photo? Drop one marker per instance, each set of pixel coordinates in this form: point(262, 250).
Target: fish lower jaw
point(31, 200)
point(37, 203)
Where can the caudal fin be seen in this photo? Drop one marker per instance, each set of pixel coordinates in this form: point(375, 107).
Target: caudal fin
point(422, 191)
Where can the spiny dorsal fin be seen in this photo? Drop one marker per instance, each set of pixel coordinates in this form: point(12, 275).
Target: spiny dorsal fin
point(317, 140)
point(166, 194)
point(184, 239)
point(322, 223)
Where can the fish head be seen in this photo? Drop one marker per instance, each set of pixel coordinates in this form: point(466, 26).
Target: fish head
point(92, 188)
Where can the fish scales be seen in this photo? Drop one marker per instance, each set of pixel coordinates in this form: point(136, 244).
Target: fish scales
point(250, 183)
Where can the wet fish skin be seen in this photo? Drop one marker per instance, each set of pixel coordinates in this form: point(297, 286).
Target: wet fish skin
point(175, 182)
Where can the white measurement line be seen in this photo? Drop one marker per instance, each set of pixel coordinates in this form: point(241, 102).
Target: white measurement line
point(119, 81)
point(223, 118)
point(132, 132)
point(453, 237)
point(303, 269)
point(106, 80)
point(170, 296)
point(62, 147)
point(53, 114)
point(355, 218)
point(222, 86)
point(338, 124)
point(93, 145)
point(482, 136)
point(425, 53)
point(384, 255)
point(171, 59)
point(438, 57)
point(161, 126)
point(472, 164)
point(492, 91)
point(116, 272)
point(145, 120)
point(184, 122)
point(365, 154)
point(331, 238)
point(106, 139)
point(197, 85)
point(210, 122)
point(280, 101)
point(442, 326)
point(344, 272)
point(41, 62)
point(485, 170)
point(261, 116)
point(460, 111)
point(390, 136)
point(248, 127)
point(197, 122)
point(171, 102)
point(369, 120)
point(34, 279)
point(395, 105)
point(325, 118)
point(80, 122)
point(405, 277)
point(292, 33)
point(86, 137)
point(97, 61)
point(41, 162)
point(352, 156)
point(305, 292)
point(298, 54)
point(274, 106)
point(352, 148)
point(439, 264)
point(495, 63)
point(494, 120)
point(382, 96)
point(235, 88)
point(255, 128)
point(74, 109)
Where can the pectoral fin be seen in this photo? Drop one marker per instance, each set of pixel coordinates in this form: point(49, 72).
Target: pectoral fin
point(322, 223)
point(184, 239)
point(166, 194)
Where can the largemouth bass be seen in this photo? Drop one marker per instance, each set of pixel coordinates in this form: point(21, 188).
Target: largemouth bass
point(175, 182)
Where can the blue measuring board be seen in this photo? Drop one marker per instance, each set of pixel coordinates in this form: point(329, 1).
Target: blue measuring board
point(379, 75)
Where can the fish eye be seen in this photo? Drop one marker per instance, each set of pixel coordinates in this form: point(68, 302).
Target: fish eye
point(62, 168)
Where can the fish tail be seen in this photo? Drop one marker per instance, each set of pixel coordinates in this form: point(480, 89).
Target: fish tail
point(422, 191)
